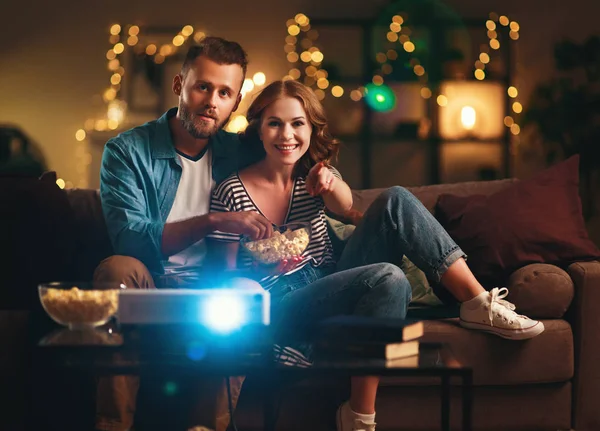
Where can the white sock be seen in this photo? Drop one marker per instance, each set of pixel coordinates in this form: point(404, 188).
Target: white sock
point(365, 418)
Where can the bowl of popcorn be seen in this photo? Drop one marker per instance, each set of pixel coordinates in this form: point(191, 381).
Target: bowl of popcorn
point(287, 241)
point(80, 305)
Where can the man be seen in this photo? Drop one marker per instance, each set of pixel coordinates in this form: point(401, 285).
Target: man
point(155, 185)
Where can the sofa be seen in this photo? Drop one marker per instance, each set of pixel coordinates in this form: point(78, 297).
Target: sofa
point(551, 382)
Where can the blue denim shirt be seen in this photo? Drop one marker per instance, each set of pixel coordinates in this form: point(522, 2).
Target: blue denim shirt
point(139, 177)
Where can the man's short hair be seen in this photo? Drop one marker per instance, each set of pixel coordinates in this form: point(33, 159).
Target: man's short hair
point(219, 50)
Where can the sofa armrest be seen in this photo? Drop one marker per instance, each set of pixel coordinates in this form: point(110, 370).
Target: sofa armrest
point(584, 317)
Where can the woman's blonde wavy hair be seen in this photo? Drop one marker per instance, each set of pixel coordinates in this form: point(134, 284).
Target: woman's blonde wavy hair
point(323, 147)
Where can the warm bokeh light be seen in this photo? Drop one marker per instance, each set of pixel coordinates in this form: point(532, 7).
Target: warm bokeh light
point(494, 44)
point(391, 36)
point(387, 69)
point(322, 83)
point(110, 54)
point(60, 183)
point(306, 56)
point(355, 95)
point(115, 29)
point(514, 26)
point(479, 74)
point(178, 40)
point(337, 91)
point(113, 65)
point(293, 57)
point(294, 73)
point(381, 57)
point(514, 35)
point(165, 50)
point(109, 95)
point(503, 20)
point(132, 40)
point(115, 79)
point(259, 78)
point(119, 48)
point(80, 135)
point(492, 34)
point(248, 85)
point(320, 94)
point(419, 70)
point(311, 71)
point(468, 117)
point(484, 58)
point(517, 107)
point(425, 93)
point(187, 30)
point(409, 46)
point(237, 124)
point(293, 30)
point(508, 121)
point(100, 125)
point(515, 129)
point(377, 80)
point(159, 58)
point(442, 100)
point(392, 54)
point(512, 92)
point(491, 25)
point(151, 49)
point(398, 19)
point(317, 56)
point(395, 27)
point(302, 19)
point(198, 36)
point(134, 30)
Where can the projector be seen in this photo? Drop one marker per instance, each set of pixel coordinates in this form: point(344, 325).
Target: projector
point(219, 310)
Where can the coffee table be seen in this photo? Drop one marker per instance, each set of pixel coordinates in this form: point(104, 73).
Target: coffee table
point(116, 351)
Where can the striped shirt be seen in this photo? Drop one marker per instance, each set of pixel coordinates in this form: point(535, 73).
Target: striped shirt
point(231, 195)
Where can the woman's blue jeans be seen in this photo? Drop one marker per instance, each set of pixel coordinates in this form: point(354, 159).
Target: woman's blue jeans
point(367, 280)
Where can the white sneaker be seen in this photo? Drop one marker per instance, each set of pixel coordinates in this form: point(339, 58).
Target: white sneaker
point(490, 312)
point(346, 420)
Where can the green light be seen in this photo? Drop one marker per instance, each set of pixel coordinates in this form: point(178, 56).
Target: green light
point(380, 98)
point(170, 388)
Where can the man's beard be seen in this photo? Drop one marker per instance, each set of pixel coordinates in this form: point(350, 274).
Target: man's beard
point(197, 127)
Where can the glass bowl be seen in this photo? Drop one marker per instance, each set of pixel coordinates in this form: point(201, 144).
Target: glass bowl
point(288, 240)
point(80, 305)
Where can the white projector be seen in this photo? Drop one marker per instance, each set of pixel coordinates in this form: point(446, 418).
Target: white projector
point(220, 310)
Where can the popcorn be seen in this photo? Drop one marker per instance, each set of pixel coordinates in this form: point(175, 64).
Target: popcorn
point(279, 246)
point(76, 306)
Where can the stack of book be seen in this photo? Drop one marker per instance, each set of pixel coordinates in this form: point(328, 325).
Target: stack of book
point(347, 337)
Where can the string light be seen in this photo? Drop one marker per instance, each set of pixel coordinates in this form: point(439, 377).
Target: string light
point(493, 25)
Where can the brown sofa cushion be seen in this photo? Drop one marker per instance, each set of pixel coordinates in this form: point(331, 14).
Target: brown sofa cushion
point(534, 221)
point(541, 291)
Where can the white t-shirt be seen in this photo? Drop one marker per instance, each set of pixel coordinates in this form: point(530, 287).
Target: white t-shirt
point(192, 199)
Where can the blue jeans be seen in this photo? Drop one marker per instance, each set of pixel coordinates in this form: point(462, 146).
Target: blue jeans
point(396, 225)
point(366, 281)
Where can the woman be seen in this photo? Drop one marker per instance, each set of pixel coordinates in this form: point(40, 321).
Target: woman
point(294, 182)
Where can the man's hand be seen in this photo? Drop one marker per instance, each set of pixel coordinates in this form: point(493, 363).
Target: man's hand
point(320, 180)
point(249, 223)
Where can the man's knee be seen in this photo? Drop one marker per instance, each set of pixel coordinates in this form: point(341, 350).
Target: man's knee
point(124, 269)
